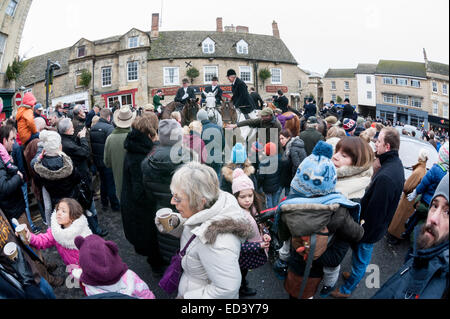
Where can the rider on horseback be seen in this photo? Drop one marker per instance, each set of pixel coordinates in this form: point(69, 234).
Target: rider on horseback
point(241, 98)
point(184, 93)
point(214, 87)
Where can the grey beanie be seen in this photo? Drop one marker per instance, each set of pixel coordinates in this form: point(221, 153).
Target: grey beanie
point(202, 115)
point(442, 189)
point(170, 132)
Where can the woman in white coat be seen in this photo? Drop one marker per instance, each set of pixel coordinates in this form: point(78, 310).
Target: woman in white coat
point(211, 264)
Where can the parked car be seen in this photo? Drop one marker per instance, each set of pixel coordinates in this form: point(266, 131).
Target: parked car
point(410, 129)
point(409, 153)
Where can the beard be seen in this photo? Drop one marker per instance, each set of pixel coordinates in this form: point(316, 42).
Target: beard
point(424, 241)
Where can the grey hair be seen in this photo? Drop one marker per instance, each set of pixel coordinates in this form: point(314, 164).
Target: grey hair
point(40, 123)
point(198, 182)
point(64, 125)
point(77, 109)
point(315, 126)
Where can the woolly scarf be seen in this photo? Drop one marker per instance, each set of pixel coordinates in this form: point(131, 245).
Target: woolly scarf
point(66, 236)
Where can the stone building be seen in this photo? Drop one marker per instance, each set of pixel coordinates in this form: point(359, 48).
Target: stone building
point(438, 78)
point(340, 84)
point(130, 68)
point(13, 14)
point(365, 78)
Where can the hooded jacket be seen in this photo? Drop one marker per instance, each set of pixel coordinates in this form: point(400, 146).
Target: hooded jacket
point(291, 159)
point(211, 264)
point(11, 196)
point(25, 123)
point(430, 181)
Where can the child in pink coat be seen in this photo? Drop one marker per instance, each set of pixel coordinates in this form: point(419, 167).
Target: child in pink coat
point(67, 222)
point(103, 271)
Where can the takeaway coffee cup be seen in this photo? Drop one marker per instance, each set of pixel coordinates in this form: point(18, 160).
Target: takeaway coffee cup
point(166, 218)
point(22, 231)
point(11, 251)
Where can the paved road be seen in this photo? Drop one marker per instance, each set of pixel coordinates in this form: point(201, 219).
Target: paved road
point(387, 258)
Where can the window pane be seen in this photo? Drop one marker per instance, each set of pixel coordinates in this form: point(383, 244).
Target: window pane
point(369, 95)
point(106, 76)
point(171, 76)
point(368, 80)
point(435, 89)
point(445, 111)
point(132, 71)
point(11, 9)
point(333, 85)
point(402, 100)
point(435, 108)
point(246, 74)
point(347, 85)
point(276, 76)
point(416, 102)
point(415, 83)
point(403, 82)
point(81, 51)
point(388, 98)
point(210, 72)
point(133, 42)
point(444, 86)
point(387, 81)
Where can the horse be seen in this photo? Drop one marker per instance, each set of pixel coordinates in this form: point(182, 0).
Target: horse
point(210, 108)
point(231, 115)
point(228, 113)
point(292, 125)
point(188, 111)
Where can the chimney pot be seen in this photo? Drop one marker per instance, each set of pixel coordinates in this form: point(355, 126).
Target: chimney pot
point(155, 25)
point(276, 31)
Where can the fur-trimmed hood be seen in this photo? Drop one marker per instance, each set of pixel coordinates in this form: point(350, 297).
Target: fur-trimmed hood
point(354, 171)
point(224, 217)
point(228, 170)
point(66, 237)
point(63, 171)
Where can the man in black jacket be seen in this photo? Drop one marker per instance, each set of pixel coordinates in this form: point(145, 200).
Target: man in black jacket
point(282, 102)
point(99, 134)
point(241, 98)
point(349, 112)
point(184, 93)
point(214, 87)
point(310, 109)
point(257, 100)
point(377, 207)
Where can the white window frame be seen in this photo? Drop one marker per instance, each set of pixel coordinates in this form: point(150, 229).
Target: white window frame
point(12, 7)
point(167, 76)
point(435, 108)
point(133, 42)
point(333, 85)
point(210, 74)
point(242, 47)
point(105, 76)
point(346, 85)
point(444, 88)
point(369, 95)
point(130, 72)
point(247, 69)
point(434, 87)
point(388, 98)
point(368, 79)
point(415, 81)
point(208, 46)
point(445, 111)
point(401, 81)
point(403, 100)
point(414, 100)
point(388, 80)
point(272, 77)
point(334, 97)
point(111, 99)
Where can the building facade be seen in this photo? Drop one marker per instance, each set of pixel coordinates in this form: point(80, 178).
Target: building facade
point(13, 14)
point(438, 85)
point(130, 68)
point(367, 93)
point(340, 84)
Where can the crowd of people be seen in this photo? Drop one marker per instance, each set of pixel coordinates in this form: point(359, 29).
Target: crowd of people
point(336, 187)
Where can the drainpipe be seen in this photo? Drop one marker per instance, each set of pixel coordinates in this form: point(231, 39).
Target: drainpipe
point(93, 83)
point(255, 70)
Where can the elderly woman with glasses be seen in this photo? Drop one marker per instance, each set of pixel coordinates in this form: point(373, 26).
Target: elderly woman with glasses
point(211, 264)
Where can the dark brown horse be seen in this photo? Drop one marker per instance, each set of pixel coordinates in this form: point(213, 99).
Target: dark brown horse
point(188, 111)
point(228, 112)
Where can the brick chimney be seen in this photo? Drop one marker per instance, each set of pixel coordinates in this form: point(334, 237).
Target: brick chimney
point(155, 26)
point(276, 32)
point(425, 57)
point(241, 29)
point(219, 23)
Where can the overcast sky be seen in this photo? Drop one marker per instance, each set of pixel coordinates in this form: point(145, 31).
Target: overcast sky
point(321, 34)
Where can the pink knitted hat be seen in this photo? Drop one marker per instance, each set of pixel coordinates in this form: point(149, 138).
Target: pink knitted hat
point(241, 181)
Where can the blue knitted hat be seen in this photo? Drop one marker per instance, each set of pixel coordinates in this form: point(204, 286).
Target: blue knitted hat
point(316, 175)
point(239, 154)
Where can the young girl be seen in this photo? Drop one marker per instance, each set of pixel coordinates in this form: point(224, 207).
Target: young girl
point(254, 250)
point(103, 271)
point(67, 223)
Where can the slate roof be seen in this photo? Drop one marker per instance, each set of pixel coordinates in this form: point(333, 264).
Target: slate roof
point(187, 44)
point(34, 70)
point(406, 68)
point(340, 73)
point(437, 68)
point(366, 68)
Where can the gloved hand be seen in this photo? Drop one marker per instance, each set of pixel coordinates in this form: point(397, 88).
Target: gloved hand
point(185, 96)
point(159, 110)
point(412, 196)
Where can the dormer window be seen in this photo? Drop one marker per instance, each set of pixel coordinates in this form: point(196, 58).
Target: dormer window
point(133, 42)
point(242, 47)
point(81, 51)
point(208, 46)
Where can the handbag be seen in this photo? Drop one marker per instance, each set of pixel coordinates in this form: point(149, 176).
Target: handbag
point(171, 279)
point(83, 195)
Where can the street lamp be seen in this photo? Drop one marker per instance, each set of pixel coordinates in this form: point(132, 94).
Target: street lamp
point(51, 66)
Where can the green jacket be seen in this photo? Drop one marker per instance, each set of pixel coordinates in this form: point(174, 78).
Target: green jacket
point(310, 137)
point(157, 102)
point(115, 155)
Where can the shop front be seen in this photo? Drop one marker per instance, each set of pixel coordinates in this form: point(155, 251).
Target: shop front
point(77, 98)
point(404, 115)
point(438, 123)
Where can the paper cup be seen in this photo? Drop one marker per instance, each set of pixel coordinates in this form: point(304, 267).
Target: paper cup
point(11, 251)
point(22, 231)
point(165, 217)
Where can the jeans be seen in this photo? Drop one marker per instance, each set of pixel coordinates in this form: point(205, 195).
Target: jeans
point(27, 206)
point(46, 289)
point(273, 198)
point(360, 260)
point(108, 188)
point(331, 275)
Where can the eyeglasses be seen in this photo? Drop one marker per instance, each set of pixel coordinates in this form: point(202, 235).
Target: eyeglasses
point(176, 199)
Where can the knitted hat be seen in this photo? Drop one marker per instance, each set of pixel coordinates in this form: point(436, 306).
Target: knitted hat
point(349, 125)
point(100, 261)
point(316, 175)
point(443, 154)
point(332, 120)
point(51, 142)
point(238, 154)
point(267, 111)
point(423, 155)
point(442, 189)
point(202, 115)
point(38, 106)
point(29, 99)
point(241, 181)
point(270, 149)
point(170, 132)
